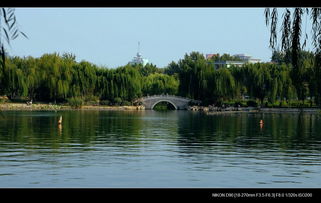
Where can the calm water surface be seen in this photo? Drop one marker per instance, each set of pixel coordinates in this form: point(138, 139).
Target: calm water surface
point(159, 149)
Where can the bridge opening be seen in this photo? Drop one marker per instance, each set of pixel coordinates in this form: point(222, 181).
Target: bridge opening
point(164, 106)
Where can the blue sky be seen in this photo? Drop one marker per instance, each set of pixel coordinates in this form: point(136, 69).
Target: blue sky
point(109, 36)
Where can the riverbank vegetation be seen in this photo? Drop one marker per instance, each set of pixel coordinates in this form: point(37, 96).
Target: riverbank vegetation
point(264, 84)
point(55, 78)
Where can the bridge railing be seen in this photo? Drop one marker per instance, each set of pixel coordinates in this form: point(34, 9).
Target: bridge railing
point(165, 96)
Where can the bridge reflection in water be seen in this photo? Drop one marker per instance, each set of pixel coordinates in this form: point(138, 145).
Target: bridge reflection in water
point(179, 103)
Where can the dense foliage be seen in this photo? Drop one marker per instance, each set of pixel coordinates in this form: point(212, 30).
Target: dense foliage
point(266, 82)
point(55, 78)
point(293, 32)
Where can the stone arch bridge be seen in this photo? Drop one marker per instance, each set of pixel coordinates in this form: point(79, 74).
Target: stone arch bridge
point(179, 103)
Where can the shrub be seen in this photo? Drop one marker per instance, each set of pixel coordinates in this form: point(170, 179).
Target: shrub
point(284, 104)
point(126, 103)
point(299, 104)
point(93, 103)
point(91, 100)
point(117, 101)
point(75, 102)
point(19, 99)
point(104, 102)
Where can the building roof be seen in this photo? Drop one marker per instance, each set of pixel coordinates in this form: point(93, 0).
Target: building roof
point(208, 56)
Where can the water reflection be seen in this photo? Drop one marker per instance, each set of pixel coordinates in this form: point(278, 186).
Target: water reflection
point(281, 131)
point(166, 149)
point(81, 127)
point(192, 130)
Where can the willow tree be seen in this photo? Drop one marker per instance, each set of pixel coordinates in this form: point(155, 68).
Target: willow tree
point(193, 74)
point(158, 83)
point(293, 40)
point(224, 83)
point(8, 31)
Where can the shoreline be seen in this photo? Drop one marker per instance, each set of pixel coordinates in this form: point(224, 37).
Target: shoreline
point(206, 110)
point(218, 110)
point(55, 107)
point(266, 110)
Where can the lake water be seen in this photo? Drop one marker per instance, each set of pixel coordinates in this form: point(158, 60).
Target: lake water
point(159, 149)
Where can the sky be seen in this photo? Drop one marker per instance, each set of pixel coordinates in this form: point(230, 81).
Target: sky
point(109, 36)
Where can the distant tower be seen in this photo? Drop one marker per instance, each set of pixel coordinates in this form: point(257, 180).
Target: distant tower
point(138, 53)
point(138, 59)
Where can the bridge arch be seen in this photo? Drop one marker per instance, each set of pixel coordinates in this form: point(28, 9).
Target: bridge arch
point(159, 101)
point(179, 103)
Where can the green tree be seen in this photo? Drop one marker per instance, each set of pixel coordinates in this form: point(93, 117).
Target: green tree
point(159, 83)
point(291, 39)
point(224, 84)
point(193, 74)
point(172, 69)
point(148, 69)
point(16, 81)
point(8, 31)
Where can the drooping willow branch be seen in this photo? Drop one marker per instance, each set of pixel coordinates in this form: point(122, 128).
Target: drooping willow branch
point(9, 29)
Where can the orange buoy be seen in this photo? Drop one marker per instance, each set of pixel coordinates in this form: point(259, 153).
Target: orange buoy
point(60, 120)
point(261, 124)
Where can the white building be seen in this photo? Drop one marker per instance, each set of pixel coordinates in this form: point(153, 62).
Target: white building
point(243, 60)
point(219, 64)
point(138, 59)
point(247, 58)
